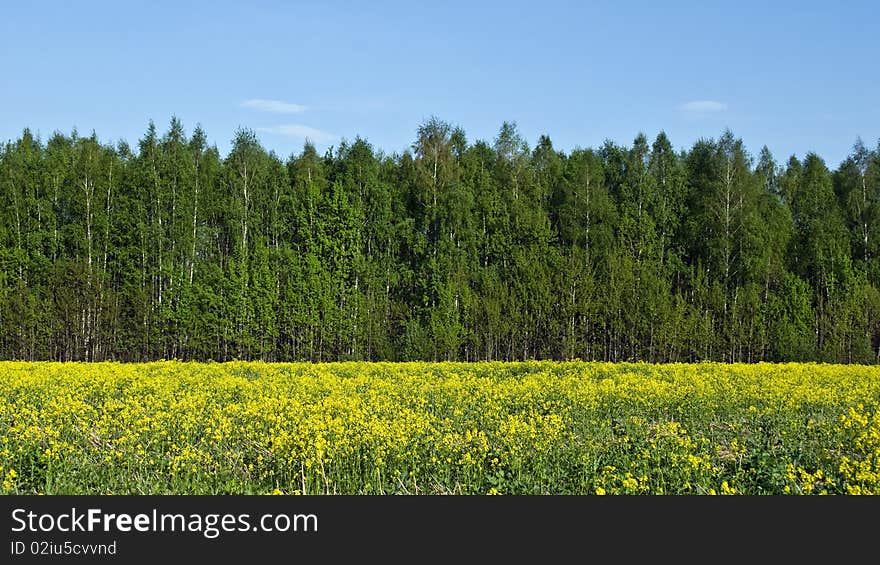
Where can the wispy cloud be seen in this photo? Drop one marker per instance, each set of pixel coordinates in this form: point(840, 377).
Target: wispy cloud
point(299, 131)
point(274, 106)
point(702, 107)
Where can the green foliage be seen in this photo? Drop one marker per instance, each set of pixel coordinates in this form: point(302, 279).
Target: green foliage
point(452, 250)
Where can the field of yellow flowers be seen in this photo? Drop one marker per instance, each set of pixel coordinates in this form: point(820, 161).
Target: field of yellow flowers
point(174, 427)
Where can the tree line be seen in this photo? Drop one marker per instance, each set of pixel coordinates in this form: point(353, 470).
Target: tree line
point(450, 250)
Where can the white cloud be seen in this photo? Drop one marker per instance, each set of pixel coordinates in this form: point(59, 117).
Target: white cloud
point(274, 106)
point(702, 107)
point(299, 131)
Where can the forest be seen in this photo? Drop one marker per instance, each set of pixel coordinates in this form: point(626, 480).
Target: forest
point(450, 250)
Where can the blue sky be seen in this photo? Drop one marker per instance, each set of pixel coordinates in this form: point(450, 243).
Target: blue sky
point(796, 76)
